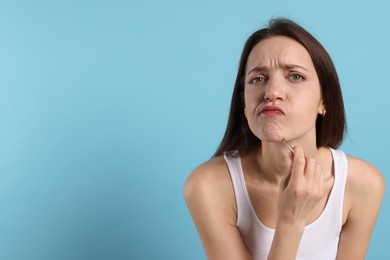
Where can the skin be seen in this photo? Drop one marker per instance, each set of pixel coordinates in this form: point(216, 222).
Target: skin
point(280, 75)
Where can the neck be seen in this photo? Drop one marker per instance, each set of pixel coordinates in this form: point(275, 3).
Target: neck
point(272, 160)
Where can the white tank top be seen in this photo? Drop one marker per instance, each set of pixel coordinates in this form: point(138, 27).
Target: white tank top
point(320, 238)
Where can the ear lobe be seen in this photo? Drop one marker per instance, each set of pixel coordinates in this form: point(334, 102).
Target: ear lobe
point(322, 109)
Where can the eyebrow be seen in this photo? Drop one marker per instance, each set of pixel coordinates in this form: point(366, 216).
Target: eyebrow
point(286, 66)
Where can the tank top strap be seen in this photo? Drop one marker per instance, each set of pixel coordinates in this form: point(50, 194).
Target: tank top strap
point(340, 171)
point(233, 162)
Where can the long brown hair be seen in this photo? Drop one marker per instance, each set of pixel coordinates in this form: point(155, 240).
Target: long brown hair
point(330, 129)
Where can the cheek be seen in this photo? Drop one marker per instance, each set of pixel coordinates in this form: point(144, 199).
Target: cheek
point(306, 113)
point(305, 107)
point(310, 100)
point(251, 98)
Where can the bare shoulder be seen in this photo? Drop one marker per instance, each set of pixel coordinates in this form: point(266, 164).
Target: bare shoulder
point(207, 174)
point(209, 187)
point(364, 192)
point(364, 189)
point(364, 178)
point(209, 195)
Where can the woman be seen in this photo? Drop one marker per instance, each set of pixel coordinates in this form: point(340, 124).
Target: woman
point(257, 199)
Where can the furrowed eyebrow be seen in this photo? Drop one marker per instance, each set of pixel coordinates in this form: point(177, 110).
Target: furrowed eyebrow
point(286, 66)
point(256, 69)
point(294, 66)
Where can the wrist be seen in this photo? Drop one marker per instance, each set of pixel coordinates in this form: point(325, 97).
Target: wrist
point(286, 240)
point(290, 227)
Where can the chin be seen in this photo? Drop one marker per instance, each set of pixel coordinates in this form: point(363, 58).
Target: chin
point(275, 137)
point(269, 136)
point(270, 132)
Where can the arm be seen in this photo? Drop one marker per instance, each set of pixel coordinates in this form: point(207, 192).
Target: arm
point(299, 193)
point(210, 199)
point(363, 195)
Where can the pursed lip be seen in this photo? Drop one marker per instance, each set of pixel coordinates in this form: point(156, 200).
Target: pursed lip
point(271, 109)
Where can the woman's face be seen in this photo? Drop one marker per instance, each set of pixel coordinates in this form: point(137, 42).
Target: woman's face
point(282, 91)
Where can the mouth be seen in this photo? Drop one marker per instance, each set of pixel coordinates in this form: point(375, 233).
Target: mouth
point(271, 110)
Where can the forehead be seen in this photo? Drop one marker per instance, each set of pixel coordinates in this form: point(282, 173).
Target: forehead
point(279, 50)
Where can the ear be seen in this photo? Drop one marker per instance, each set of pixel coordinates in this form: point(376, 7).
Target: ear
point(321, 109)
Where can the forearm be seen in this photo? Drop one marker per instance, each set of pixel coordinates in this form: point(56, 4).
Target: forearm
point(299, 193)
point(286, 242)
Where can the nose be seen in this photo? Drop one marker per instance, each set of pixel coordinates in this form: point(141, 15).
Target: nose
point(274, 90)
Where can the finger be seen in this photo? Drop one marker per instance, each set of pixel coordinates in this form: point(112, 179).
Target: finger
point(320, 179)
point(318, 173)
point(298, 165)
point(310, 168)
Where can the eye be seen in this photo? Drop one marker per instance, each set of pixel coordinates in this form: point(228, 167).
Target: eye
point(257, 79)
point(296, 77)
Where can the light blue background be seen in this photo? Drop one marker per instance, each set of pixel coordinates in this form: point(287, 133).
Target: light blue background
point(106, 106)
